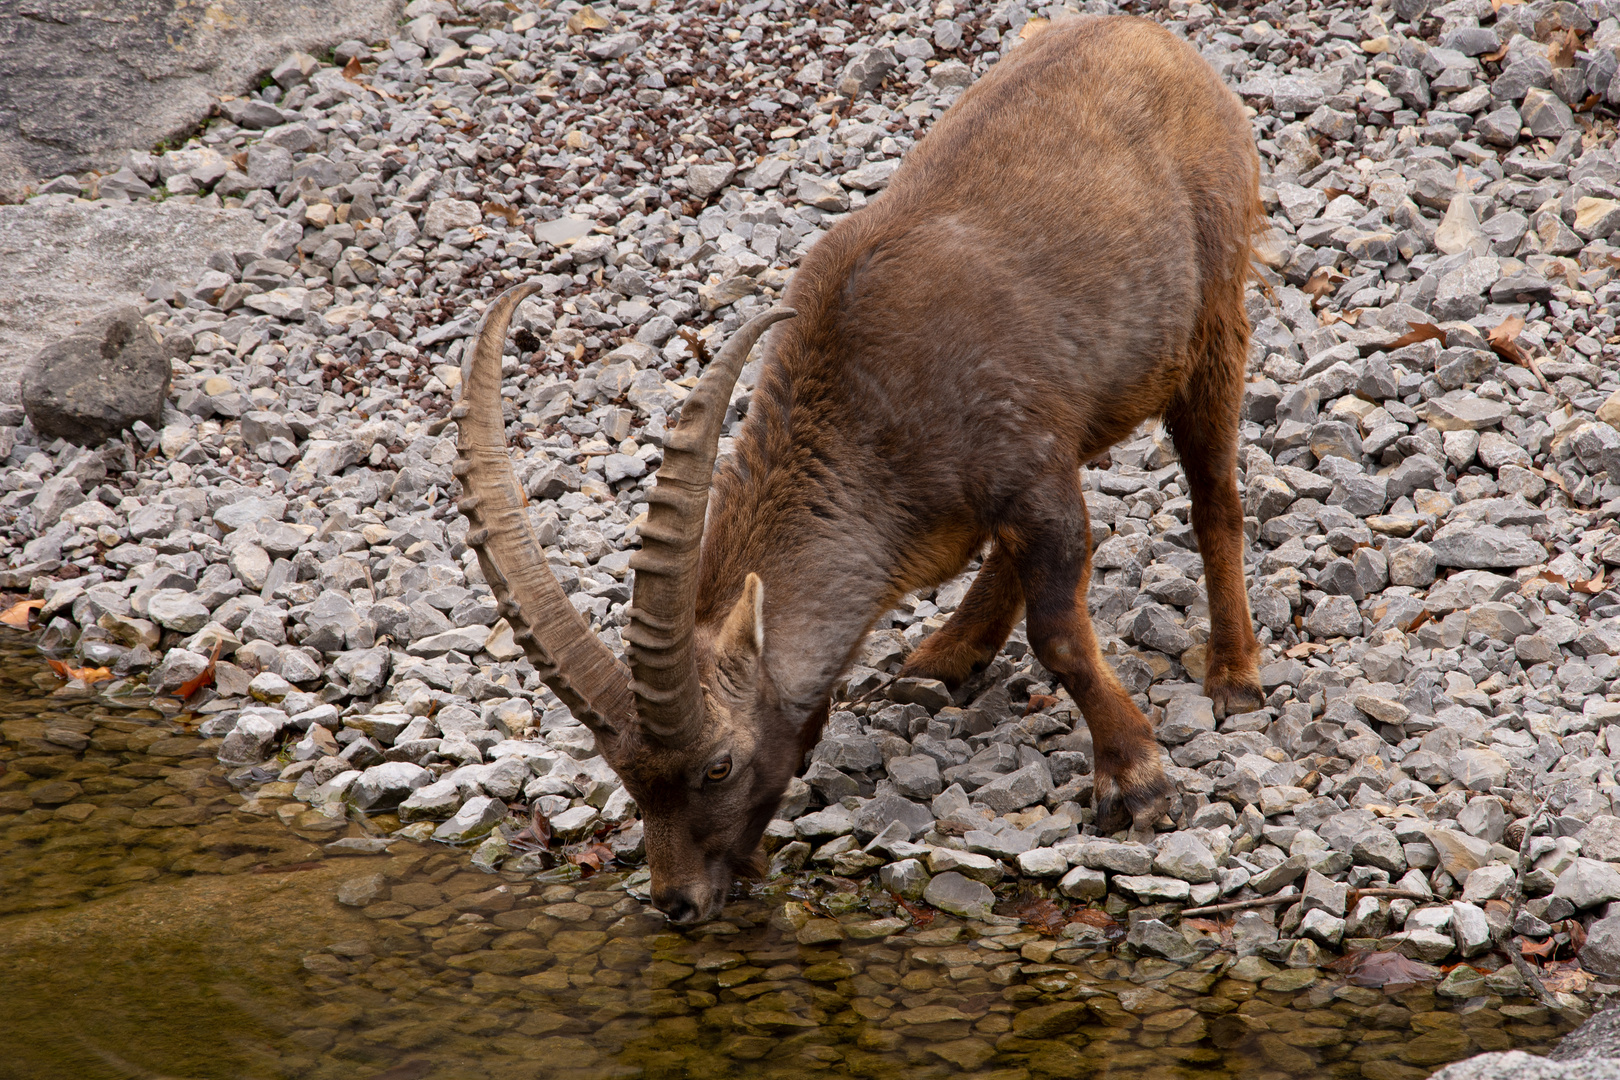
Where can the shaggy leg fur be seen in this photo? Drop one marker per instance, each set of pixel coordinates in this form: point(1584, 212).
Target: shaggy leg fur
point(976, 630)
point(1053, 556)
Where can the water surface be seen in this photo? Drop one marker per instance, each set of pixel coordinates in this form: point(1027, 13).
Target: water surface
point(156, 923)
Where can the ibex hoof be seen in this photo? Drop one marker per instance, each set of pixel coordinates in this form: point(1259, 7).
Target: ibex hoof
point(1234, 694)
point(1134, 802)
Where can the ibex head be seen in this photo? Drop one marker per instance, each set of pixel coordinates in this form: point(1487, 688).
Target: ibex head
point(686, 723)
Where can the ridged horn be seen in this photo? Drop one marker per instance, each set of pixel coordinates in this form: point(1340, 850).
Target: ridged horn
point(573, 661)
point(663, 665)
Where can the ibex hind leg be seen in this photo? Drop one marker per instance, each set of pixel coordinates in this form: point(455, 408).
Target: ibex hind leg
point(976, 630)
point(1054, 565)
point(1204, 425)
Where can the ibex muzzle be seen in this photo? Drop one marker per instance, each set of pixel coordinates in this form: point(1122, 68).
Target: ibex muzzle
point(1062, 258)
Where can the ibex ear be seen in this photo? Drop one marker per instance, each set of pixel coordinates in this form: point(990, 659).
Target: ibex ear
point(742, 636)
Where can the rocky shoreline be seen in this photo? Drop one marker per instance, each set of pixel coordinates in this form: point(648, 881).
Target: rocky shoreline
point(1430, 464)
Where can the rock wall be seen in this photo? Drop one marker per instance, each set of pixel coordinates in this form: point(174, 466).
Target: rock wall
point(80, 83)
point(66, 263)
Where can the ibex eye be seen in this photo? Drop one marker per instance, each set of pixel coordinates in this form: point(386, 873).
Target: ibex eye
point(718, 771)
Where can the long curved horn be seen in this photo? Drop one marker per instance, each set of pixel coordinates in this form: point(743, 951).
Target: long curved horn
point(663, 665)
point(574, 662)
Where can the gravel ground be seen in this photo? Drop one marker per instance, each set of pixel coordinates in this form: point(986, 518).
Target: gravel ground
point(1428, 460)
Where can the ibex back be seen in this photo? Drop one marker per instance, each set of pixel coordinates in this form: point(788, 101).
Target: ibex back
point(1061, 258)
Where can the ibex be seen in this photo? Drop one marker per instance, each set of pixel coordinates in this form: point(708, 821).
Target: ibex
point(1061, 258)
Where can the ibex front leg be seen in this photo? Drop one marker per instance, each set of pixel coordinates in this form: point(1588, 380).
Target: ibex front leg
point(1053, 554)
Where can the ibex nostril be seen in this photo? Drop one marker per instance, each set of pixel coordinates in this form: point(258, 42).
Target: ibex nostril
point(676, 907)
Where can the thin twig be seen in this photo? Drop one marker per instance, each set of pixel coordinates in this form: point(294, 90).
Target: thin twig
point(1520, 964)
point(1284, 898)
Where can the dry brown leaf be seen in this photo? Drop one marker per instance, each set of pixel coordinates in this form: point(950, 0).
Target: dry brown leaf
point(1334, 192)
point(1033, 27)
point(700, 351)
point(87, 675)
point(1420, 331)
point(1590, 588)
point(351, 70)
point(1098, 919)
point(1347, 317)
point(1423, 617)
point(1563, 48)
point(510, 213)
point(1589, 104)
point(1551, 477)
point(1322, 282)
point(921, 914)
point(1504, 340)
point(1498, 5)
point(1566, 977)
point(1304, 649)
point(1043, 915)
point(591, 859)
point(1495, 54)
point(203, 678)
point(1536, 948)
point(585, 19)
point(18, 614)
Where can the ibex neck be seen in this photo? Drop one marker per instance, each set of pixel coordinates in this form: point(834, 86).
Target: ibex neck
point(824, 568)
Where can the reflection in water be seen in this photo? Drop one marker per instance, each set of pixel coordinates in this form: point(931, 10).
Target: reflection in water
point(156, 924)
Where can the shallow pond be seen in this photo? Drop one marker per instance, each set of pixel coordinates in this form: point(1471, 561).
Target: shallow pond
point(155, 924)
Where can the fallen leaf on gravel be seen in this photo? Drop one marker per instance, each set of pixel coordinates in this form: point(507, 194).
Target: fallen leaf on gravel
point(90, 675)
point(1566, 976)
point(351, 70)
point(1033, 27)
point(585, 19)
point(510, 213)
point(1551, 478)
point(1092, 917)
point(1421, 331)
point(18, 614)
point(1348, 317)
point(1591, 587)
point(204, 678)
point(591, 859)
point(1304, 649)
point(1563, 48)
point(1043, 915)
point(1322, 282)
point(1536, 948)
point(921, 914)
point(1503, 340)
point(700, 351)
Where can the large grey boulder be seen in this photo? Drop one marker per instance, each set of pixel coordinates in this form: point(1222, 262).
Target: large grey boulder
point(97, 381)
